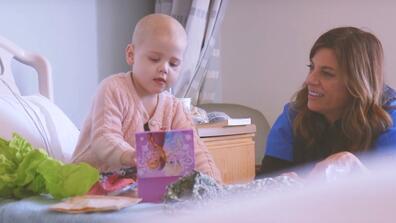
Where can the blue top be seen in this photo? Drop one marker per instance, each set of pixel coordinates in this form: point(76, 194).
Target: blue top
point(280, 142)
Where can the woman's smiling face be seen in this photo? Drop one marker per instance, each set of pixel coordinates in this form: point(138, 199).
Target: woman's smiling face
point(327, 92)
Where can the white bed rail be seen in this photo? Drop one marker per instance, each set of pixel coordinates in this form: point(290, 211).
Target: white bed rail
point(8, 51)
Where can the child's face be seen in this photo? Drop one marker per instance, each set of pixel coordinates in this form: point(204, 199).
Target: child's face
point(157, 63)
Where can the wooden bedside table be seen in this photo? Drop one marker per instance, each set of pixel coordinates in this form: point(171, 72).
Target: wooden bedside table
point(233, 150)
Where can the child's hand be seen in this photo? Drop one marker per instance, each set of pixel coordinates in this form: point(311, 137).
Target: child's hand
point(128, 158)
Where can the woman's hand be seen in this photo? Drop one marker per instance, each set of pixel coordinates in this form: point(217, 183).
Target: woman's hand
point(336, 166)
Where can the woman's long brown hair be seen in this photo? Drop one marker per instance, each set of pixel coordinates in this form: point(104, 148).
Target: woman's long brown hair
point(360, 57)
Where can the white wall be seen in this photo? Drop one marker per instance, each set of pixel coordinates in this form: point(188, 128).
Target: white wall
point(81, 39)
point(65, 33)
point(265, 45)
point(116, 21)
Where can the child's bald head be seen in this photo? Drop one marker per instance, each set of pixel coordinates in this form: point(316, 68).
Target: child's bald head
point(158, 25)
point(156, 53)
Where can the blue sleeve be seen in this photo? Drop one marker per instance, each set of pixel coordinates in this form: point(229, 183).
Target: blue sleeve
point(386, 142)
point(280, 137)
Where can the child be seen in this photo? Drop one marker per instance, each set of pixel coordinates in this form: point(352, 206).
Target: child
point(136, 101)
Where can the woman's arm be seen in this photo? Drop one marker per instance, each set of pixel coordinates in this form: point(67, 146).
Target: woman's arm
point(280, 145)
point(272, 165)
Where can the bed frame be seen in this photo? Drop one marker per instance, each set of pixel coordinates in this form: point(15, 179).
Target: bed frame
point(9, 51)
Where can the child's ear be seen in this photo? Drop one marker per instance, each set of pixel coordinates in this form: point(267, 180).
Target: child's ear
point(129, 54)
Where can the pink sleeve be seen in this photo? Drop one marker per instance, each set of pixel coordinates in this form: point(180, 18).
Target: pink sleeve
point(107, 141)
point(203, 159)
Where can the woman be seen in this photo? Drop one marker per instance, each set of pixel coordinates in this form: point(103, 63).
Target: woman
point(343, 108)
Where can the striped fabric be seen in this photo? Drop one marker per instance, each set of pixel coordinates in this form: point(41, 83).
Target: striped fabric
point(201, 76)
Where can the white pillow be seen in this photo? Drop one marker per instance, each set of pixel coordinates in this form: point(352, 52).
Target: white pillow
point(8, 78)
point(41, 122)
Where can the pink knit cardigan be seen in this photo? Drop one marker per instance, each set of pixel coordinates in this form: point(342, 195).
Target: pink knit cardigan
point(117, 114)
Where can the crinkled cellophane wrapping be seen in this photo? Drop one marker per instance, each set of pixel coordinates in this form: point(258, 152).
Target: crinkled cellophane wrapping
point(198, 188)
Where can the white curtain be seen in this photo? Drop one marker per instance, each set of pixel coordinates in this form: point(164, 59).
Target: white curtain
point(200, 79)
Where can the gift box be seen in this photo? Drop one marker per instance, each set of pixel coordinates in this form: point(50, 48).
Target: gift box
point(162, 158)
